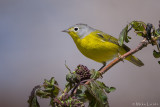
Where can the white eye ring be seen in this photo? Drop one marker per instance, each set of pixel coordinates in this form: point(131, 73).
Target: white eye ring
point(76, 29)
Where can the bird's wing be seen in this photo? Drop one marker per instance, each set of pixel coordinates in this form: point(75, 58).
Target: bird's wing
point(109, 38)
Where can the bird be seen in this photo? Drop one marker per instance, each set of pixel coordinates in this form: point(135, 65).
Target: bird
point(97, 45)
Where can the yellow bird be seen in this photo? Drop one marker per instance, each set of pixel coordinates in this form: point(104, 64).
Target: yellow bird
point(98, 45)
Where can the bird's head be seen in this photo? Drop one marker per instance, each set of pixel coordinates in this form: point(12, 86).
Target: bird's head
point(79, 31)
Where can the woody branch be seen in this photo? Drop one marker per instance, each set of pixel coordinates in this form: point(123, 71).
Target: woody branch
point(141, 45)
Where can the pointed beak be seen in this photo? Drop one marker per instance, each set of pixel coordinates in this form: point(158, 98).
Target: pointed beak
point(65, 30)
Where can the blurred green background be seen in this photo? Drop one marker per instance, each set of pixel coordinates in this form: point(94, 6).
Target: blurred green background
point(33, 48)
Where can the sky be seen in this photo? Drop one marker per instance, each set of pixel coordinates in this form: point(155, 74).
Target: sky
point(33, 48)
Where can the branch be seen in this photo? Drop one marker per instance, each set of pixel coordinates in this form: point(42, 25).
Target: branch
point(142, 44)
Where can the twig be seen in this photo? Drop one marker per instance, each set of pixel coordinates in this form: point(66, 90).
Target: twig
point(67, 67)
point(81, 82)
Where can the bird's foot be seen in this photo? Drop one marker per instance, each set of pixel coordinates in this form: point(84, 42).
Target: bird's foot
point(120, 57)
point(104, 64)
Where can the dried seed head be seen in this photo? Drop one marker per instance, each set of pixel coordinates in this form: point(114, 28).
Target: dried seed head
point(83, 71)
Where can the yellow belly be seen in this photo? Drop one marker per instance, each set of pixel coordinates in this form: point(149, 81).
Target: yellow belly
point(97, 49)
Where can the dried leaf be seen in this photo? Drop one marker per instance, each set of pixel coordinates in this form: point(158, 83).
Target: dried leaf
point(33, 98)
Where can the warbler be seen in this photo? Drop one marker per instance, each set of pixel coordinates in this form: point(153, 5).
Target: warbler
point(97, 45)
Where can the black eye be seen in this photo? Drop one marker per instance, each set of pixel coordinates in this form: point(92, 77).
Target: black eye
point(76, 29)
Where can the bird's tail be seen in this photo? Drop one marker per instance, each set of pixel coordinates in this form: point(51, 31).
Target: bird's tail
point(135, 60)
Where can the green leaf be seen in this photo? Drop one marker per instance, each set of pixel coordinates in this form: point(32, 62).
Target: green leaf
point(157, 32)
point(123, 36)
point(106, 88)
point(42, 94)
point(50, 88)
point(92, 100)
point(159, 62)
point(80, 95)
point(69, 77)
point(156, 54)
point(52, 81)
point(96, 92)
point(95, 74)
point(139, 27)
point(103, 86)
point(111, 89)
point(72, 77)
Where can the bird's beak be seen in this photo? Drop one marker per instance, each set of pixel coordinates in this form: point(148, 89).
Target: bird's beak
point(65, 30)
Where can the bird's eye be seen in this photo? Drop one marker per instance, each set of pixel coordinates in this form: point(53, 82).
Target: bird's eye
point(76, 29)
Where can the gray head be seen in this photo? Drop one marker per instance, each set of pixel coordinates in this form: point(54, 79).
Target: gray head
point(79, 29)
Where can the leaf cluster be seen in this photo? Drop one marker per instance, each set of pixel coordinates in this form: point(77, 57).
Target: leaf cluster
point(76, 92)
point(49, 89)
point(146, 31)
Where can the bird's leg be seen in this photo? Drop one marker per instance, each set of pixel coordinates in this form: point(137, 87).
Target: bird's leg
point(104, 64)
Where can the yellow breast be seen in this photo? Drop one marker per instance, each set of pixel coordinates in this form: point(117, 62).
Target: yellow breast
point(97, 49)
